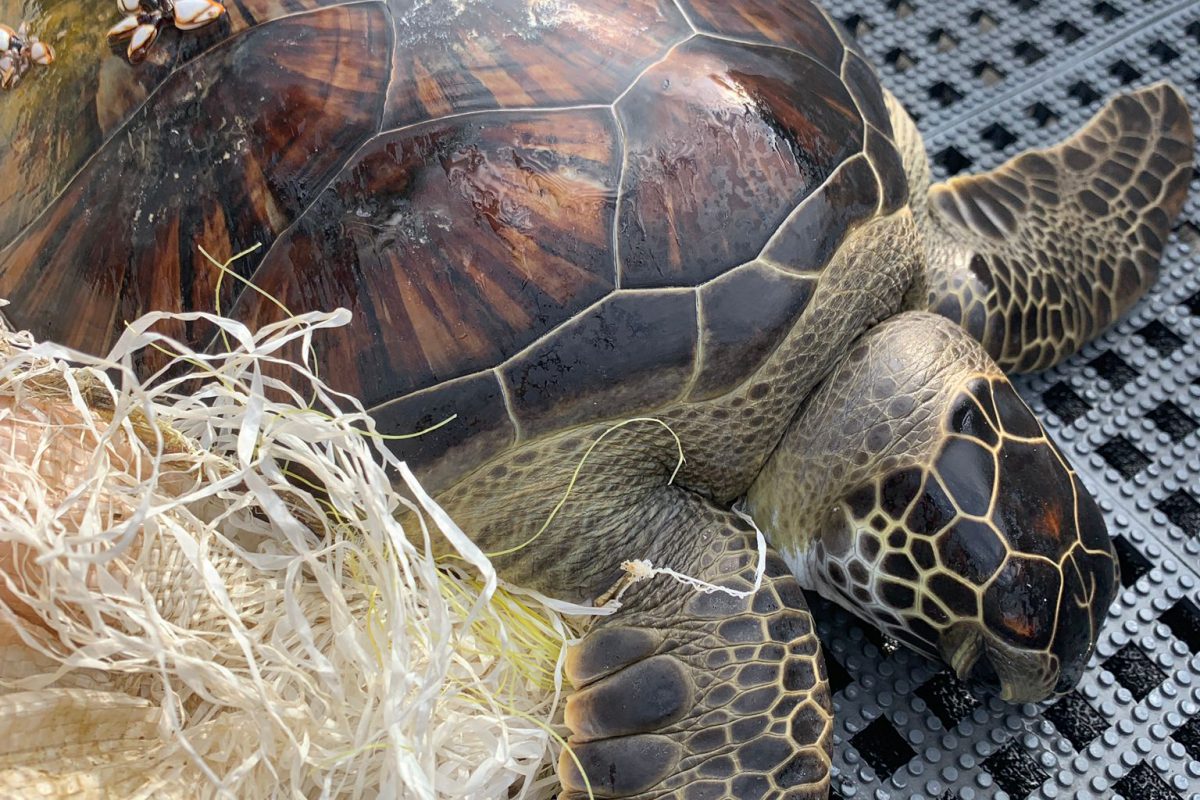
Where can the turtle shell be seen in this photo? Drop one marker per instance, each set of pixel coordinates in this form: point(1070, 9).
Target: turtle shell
point(541, 212)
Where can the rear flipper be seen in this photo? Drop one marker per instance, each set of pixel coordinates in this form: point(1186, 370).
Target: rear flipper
point(1039, 256)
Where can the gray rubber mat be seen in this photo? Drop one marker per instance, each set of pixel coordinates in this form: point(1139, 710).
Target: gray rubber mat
point(986, 80)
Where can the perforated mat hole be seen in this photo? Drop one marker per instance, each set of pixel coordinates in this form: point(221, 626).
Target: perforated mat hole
point(1026, 5)
point(983, 21)
point(1076, 719)
point(998, 136)
point(1192, 304)
point(1028, 52)
point(952, 160)
point(988, 73)
point(1112, 369)
point(1084, 93)
point(1107, 11)
point(1123, 71)
point(900, 59)
point(1183, 510)
point(856, 25)
point(944, 94)
point(1163, 52)
point(901, 8)
point(941, 41)
point(1189, 736)
point(1183, 619)
point(1064, 403)
point(1121, 455)
point(1042, 114)
point(1161, 338)
point(882, 746)
point(1173, 421)
point(1193, 30)
point(1143, 783)
point(1067, 31)
point(839, 678)
point(948, 698)
point(1134, 670)
point(1015, 770)
point(1133, 564)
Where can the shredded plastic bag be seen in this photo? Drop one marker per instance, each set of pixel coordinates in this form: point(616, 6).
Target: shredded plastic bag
point(205, 590)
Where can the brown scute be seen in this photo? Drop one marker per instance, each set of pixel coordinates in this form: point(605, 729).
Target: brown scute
point(71, 110)
point(897, 595)
point(1074, 633)
point(633, 353)
point(893, 184)
point(1021, 602)
point(455, 244)
point(1093, 531)
point(968, 419)
point(480, 430)
point(460, 57)
point(899, 565)
point(868, 95)
point(723, 141)
point(799, 25)
point(898, 491)
point(164, 188)
point(808, 238)
point(955, 595)
point(972, 549)
point(968, 471)
point(1015, 417)
point(932, 511)
point(1035, 500)
point(736, 342)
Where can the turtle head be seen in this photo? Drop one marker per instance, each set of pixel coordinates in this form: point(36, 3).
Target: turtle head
point(990, 555)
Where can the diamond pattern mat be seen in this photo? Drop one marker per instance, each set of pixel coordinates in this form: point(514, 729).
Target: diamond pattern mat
point(986, 80)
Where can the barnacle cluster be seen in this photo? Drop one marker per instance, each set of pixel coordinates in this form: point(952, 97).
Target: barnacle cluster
point(145, 18)
point(19, 51)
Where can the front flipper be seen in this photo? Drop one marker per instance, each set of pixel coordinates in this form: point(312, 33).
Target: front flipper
point(1042, 254)
point(692, 695)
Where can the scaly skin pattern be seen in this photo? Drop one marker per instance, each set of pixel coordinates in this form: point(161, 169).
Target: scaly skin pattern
point(1041, 255)
point(918, 490)
point(725, 439)
point(729, 700)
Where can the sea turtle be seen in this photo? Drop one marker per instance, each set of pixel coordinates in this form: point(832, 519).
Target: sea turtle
point(601, 233)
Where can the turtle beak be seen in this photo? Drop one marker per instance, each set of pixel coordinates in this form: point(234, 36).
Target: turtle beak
point(1021, 676)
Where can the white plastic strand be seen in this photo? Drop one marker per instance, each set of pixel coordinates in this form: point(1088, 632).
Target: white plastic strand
point(196, 623)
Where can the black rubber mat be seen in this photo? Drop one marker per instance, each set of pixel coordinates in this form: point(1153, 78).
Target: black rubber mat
point(986, 79)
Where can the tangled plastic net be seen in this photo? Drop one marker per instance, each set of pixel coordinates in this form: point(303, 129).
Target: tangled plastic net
point(207, 591)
